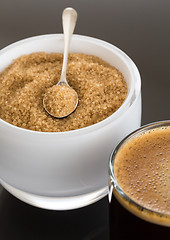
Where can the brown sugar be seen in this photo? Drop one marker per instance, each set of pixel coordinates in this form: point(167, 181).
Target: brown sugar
point(60, 100)
point(101, 90)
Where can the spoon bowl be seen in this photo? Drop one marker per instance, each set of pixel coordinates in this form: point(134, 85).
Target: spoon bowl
point(60, 100)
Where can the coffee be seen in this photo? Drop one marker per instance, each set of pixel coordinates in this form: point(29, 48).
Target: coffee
point(125, 225)
point(142, 169)
point(140, 178)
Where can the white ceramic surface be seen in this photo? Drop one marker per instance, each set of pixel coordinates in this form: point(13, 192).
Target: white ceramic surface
point(70, 166)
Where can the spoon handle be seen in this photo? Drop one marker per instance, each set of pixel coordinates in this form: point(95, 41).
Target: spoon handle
point(69, 18)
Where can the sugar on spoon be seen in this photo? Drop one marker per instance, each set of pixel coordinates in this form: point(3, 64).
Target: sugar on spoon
point(61, 100)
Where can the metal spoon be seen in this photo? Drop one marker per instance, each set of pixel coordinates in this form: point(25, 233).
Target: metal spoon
point(61, 107)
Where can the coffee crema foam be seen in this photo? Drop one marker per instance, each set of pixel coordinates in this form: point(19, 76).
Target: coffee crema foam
point(142, 169)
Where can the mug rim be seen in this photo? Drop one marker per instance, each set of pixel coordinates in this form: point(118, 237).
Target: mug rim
point(130, 99)
point(112, 178)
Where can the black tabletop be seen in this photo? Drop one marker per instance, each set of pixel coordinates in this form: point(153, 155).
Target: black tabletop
point(142, 30)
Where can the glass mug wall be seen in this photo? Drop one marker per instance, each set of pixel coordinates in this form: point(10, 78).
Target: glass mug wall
point(139, 197)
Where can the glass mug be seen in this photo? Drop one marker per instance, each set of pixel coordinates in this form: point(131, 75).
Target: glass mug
point(58, 170)
point(128, 218)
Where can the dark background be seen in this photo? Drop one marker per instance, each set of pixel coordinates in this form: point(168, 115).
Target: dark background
point(141, 28)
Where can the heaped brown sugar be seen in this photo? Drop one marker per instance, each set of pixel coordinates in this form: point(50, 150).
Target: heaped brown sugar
point(101, 90)
point(60, 100)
